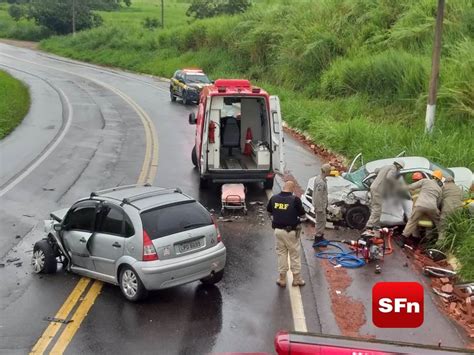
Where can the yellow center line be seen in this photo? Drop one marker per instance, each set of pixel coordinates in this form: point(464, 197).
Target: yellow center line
point(147, 175)
point(63, 313)
point(79, 316)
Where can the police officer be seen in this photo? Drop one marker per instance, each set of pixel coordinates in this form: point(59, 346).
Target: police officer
point(320, 202)
point(286, 209)
point(383, 185)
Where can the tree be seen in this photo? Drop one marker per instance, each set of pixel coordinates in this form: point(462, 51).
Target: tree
point(57, 15)
point(16, 12)
point(208, 8)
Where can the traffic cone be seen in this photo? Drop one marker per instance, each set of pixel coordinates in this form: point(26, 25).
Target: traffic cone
point(248, 140)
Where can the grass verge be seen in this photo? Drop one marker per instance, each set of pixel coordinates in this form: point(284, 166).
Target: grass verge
point(14, 103)
point(459, 240)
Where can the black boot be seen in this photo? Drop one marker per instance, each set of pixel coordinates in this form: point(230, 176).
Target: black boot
point(401, 240)
point(319, 241)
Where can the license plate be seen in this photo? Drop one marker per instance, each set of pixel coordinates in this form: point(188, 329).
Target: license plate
point(185, 247)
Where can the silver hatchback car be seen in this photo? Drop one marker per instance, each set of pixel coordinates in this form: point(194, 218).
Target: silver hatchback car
point(138, 237)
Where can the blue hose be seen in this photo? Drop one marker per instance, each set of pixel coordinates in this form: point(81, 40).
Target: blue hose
point(341, 257)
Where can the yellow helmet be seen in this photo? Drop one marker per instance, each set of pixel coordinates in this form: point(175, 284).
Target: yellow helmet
point(438, 174)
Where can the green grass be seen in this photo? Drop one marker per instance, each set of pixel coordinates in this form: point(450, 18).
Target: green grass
point(14, 103)
point(459, 240)
point(24, 29)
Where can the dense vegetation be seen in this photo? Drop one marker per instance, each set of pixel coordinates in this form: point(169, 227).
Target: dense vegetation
point(14, 103)
point(459, 240)
point(353, 74)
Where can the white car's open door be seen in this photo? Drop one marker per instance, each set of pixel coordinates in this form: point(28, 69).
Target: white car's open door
point(278, 157)
point(354, 161)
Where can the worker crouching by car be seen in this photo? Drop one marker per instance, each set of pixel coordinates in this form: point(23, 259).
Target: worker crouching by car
point(384, 184)
point(451, 202)
point(286, 209)
point(320, 203)
point(427, 203)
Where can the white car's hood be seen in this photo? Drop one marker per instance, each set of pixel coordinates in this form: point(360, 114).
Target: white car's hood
point(463, 177)
point(338, 183)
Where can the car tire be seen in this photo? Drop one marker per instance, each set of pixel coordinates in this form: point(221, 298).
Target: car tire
point(44, 258)
point(194, 157)
point(185, 98)
point(268, 184)
point(214, 278)
point(172, 97)
point(130, 284)
point(356, 217)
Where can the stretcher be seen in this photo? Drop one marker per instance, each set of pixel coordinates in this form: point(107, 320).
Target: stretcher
point(233, 197)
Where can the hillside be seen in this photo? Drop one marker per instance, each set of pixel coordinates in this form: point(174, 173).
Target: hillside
point(352, 73)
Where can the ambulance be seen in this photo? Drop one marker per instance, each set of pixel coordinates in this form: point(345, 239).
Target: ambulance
point(239, 135)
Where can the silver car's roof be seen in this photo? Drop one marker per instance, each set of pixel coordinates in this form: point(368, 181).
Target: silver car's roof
point(146, 197)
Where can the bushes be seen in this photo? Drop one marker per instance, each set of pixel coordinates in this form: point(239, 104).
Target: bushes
point(390, 75)
point(459, 240)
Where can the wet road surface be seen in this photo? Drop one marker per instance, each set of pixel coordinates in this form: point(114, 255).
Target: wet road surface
point(95, 139)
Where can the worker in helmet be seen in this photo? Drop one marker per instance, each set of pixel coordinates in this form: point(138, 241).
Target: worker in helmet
point(320, 202)
point(427, 203)
point(451, 201)
point(383, 185)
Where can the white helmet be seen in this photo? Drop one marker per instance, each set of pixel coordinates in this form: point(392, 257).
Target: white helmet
point(400, 163)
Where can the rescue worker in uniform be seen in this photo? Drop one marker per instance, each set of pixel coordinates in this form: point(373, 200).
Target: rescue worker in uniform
point(286, 209)
point(320, 202)
point(451, 200)
point(383, 185)
point(426, 204)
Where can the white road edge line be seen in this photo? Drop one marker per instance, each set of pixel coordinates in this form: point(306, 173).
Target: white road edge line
point(33, 166)
point(297, 309)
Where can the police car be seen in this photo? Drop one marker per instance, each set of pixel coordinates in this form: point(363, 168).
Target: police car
point(187, 85)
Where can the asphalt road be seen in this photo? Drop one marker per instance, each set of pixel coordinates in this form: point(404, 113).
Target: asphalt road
point(85, 131)
point(82, 135)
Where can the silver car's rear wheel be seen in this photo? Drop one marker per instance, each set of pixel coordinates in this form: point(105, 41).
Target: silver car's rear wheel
point(131, 285)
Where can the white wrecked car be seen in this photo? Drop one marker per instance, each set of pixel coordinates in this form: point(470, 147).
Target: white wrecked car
point(349, 198)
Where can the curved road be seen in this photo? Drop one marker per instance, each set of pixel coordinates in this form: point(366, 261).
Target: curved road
point(91, 128)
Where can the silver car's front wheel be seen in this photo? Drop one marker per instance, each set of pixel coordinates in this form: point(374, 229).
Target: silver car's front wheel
point(131, 285)
point(37, 261)
point(44, 258)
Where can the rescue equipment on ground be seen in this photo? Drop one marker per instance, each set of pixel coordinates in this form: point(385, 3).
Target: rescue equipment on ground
point(233, 197)
point(345, 258)
point(248, 141)
point(371, 246)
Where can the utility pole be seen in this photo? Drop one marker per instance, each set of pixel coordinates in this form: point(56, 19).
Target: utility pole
point(162, 13)
point(74, 18)
point(431, 106)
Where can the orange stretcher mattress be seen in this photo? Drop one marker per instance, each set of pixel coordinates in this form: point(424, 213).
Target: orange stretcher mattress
point(233, 194)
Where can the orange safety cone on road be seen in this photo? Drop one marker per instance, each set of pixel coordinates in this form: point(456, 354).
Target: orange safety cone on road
point(248, 140)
